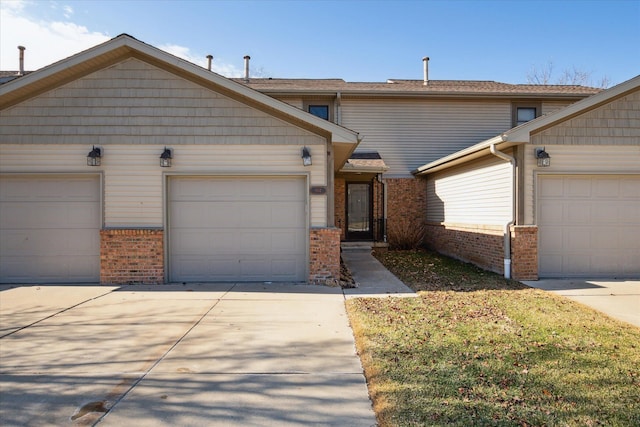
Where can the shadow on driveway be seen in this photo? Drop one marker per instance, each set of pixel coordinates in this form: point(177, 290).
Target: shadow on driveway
point(210, 354)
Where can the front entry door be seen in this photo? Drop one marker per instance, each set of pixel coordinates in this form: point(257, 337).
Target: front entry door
point(359, 210)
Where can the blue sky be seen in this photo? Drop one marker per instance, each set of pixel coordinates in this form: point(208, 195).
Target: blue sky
point(355, 40)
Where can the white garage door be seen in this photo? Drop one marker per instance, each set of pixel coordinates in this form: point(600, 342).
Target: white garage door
point(589, 225)
point(49, 229)
point(237, 229)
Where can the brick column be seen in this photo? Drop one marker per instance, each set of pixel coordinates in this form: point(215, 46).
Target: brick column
point(131, 256)
point(324, 255)
point(524, 252)
point(406, 209)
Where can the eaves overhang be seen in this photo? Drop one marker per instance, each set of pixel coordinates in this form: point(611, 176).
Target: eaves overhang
point(475, 151)
point(346, 93)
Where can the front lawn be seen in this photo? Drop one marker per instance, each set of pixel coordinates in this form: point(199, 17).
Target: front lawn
point(477, 350)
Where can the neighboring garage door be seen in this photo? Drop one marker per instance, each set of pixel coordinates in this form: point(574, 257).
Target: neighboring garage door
point(237, 229)
point(589, 225)
point(49, 229)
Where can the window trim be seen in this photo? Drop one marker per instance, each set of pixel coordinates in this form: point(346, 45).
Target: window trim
point(517, 105)
point(307, 104)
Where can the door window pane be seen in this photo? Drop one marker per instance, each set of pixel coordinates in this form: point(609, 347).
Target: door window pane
point(358, 208)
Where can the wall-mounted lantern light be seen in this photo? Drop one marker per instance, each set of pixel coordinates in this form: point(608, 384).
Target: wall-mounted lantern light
point(94, 156)
point(544, 160)
point(306, 157)
point(165, 158)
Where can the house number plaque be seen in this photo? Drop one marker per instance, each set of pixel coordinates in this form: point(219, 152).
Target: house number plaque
point(318, 190)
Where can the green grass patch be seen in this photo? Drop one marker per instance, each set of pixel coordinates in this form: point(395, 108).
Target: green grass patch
point(476, 349)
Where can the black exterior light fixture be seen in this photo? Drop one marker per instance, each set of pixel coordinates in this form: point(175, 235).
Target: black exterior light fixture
point(306, 157)
point(94, 156)
point(165, 158)
point(544, 160)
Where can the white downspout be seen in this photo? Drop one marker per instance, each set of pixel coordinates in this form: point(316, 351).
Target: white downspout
point(507, 227)
point(384, 205)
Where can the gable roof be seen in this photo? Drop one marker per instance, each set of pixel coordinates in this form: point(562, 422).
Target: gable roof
point(522, 134)
point(124, 46)
point(417, 88)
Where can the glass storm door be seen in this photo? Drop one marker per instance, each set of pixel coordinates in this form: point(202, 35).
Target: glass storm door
point(359, 211)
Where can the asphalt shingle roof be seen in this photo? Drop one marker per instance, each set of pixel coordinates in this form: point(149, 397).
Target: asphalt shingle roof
point(413, 86)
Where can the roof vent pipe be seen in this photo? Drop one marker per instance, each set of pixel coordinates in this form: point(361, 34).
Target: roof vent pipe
point(209, 59)
point(21, 49)
point(425, 62)
point(246, 68)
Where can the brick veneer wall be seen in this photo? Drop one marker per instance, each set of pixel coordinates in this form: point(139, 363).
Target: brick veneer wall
point(484, 247)
point(324, 255)
point(131, 256)
point(524, 252)
point(406, 204)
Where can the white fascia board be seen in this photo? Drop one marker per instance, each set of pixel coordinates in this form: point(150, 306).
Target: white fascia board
point(458, 156)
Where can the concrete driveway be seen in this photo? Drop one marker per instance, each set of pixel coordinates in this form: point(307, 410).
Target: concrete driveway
point(619, 299)
point(219, 354)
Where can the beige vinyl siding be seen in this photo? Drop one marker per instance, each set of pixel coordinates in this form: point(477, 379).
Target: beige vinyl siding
point(616, 123)
point(567, 159)
point(475, 193)
point(549, 107)
point(133, 179)
point(409, 133)
point(133, 102)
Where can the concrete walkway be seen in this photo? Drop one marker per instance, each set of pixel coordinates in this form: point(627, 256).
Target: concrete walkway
point(373, 279)
point(619, 299)
point(193, 355)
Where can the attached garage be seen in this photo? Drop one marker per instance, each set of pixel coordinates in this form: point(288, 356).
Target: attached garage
point(49, 228)
point(237, 228)
point(589, 225)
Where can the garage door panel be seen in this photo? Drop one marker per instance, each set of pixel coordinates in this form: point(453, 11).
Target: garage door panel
point(629, 188)
point(606, 213)
point(589, 225)
point(552, 238)
point(68, 215)
point(576, 188)
point(628, 240)
point(606, 188)
point(577, 239)
point(50, 241)
point(551, 187)
point(577, 213)
point(248, 229)
point(286, 241)
point(629, 213)
point(552, 213)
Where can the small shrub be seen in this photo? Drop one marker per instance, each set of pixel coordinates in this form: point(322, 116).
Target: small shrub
point(405, 235)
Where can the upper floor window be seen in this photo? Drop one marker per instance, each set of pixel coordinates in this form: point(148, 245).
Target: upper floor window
point(321, 111)
point(525, 112)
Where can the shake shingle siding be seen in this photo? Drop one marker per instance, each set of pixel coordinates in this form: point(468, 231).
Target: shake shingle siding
point(136, 103)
